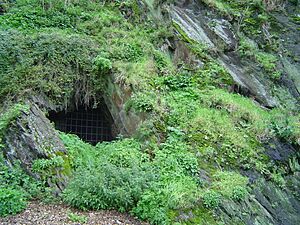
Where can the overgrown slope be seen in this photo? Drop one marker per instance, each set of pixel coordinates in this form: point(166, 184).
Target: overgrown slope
point(203, 153)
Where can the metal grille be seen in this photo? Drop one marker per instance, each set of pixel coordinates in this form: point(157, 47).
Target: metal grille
point(91, 125)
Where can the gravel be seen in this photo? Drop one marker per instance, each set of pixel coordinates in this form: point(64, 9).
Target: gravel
point(38, 213)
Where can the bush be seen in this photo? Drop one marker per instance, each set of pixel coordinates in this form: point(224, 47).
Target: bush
point(114, 178)
point(101, 64)
point(50, 63)
point(16, 178)
point(173, 192)
point(211, 199)
point(127, 50)
point(12, 201)
point(239, 193)
point(106, 187)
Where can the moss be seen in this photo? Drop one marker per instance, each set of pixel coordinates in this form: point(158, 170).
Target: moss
point(230, 185)
point(203, 216)
point(66, 165)
point(183, 35)
point(195, 126)
point(10, 115)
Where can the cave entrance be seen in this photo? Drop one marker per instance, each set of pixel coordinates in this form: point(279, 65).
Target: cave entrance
point(91, 125)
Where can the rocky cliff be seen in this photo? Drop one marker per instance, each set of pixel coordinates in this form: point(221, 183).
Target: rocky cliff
point(204, 95)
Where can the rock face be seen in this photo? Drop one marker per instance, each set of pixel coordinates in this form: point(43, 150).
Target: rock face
point(115, 98)
point(268, 203)
point(32, 137)
point(248, 82)
point(218, 34)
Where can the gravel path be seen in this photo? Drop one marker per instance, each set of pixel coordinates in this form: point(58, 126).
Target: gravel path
point(38, 213)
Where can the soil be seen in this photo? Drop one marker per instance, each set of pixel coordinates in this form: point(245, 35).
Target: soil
point(39, 213)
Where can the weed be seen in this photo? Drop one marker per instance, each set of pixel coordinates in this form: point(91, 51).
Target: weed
point(12, 201)
point(77, 218)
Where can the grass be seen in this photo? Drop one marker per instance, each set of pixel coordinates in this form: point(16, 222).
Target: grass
point(194, 125)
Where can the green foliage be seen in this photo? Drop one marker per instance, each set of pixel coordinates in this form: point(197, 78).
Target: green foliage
point(230, 185)
point(127, 50)
point(285, 127)
point(278, 179)
point(268, 61)
point(106, 187)
point(211, 199)
point(55, 65)
point(43, 165)
point(176, 187)
point(102, 64)
point(213, 74)
point(142, 102)
point(239, 193)
point(33, 14)
point(163, 62)
point(79, 152)
point(10, 115)
point(77, 218)
point(118, 175)
point(16, 178)
point(163, 197)
point(12, 201)
point(178, 81)
point(115, 179)
point(225, 185)
point(16, 187)
point(197, 132)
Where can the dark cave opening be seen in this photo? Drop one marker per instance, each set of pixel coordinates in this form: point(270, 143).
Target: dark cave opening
point(92, 125)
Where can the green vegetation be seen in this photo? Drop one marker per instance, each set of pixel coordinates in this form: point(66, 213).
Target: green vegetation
point(253, 19)
point(186, 156)
point(267, 61)
point(12, 201)
point(9, 116)
point(77, 218)
point(16, 187)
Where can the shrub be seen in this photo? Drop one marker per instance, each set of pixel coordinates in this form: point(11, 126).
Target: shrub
point(172, 192)
point(16, 178)
point(211, 199)
point(127, 50)
point(106, 186)
point(267, 61)
point(12, 201)
point(51, 63)
point(101, 64)
point(239, 193)
point(115, 177)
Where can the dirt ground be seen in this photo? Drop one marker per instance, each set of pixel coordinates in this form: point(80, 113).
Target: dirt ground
point(38, 213)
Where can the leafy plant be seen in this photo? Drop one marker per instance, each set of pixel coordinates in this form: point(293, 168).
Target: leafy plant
point(77, 218)
point(114, 179)
point(103, 65)
point(15, 178)
point(12, 201)
point(211, 199)
point(239, 193)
